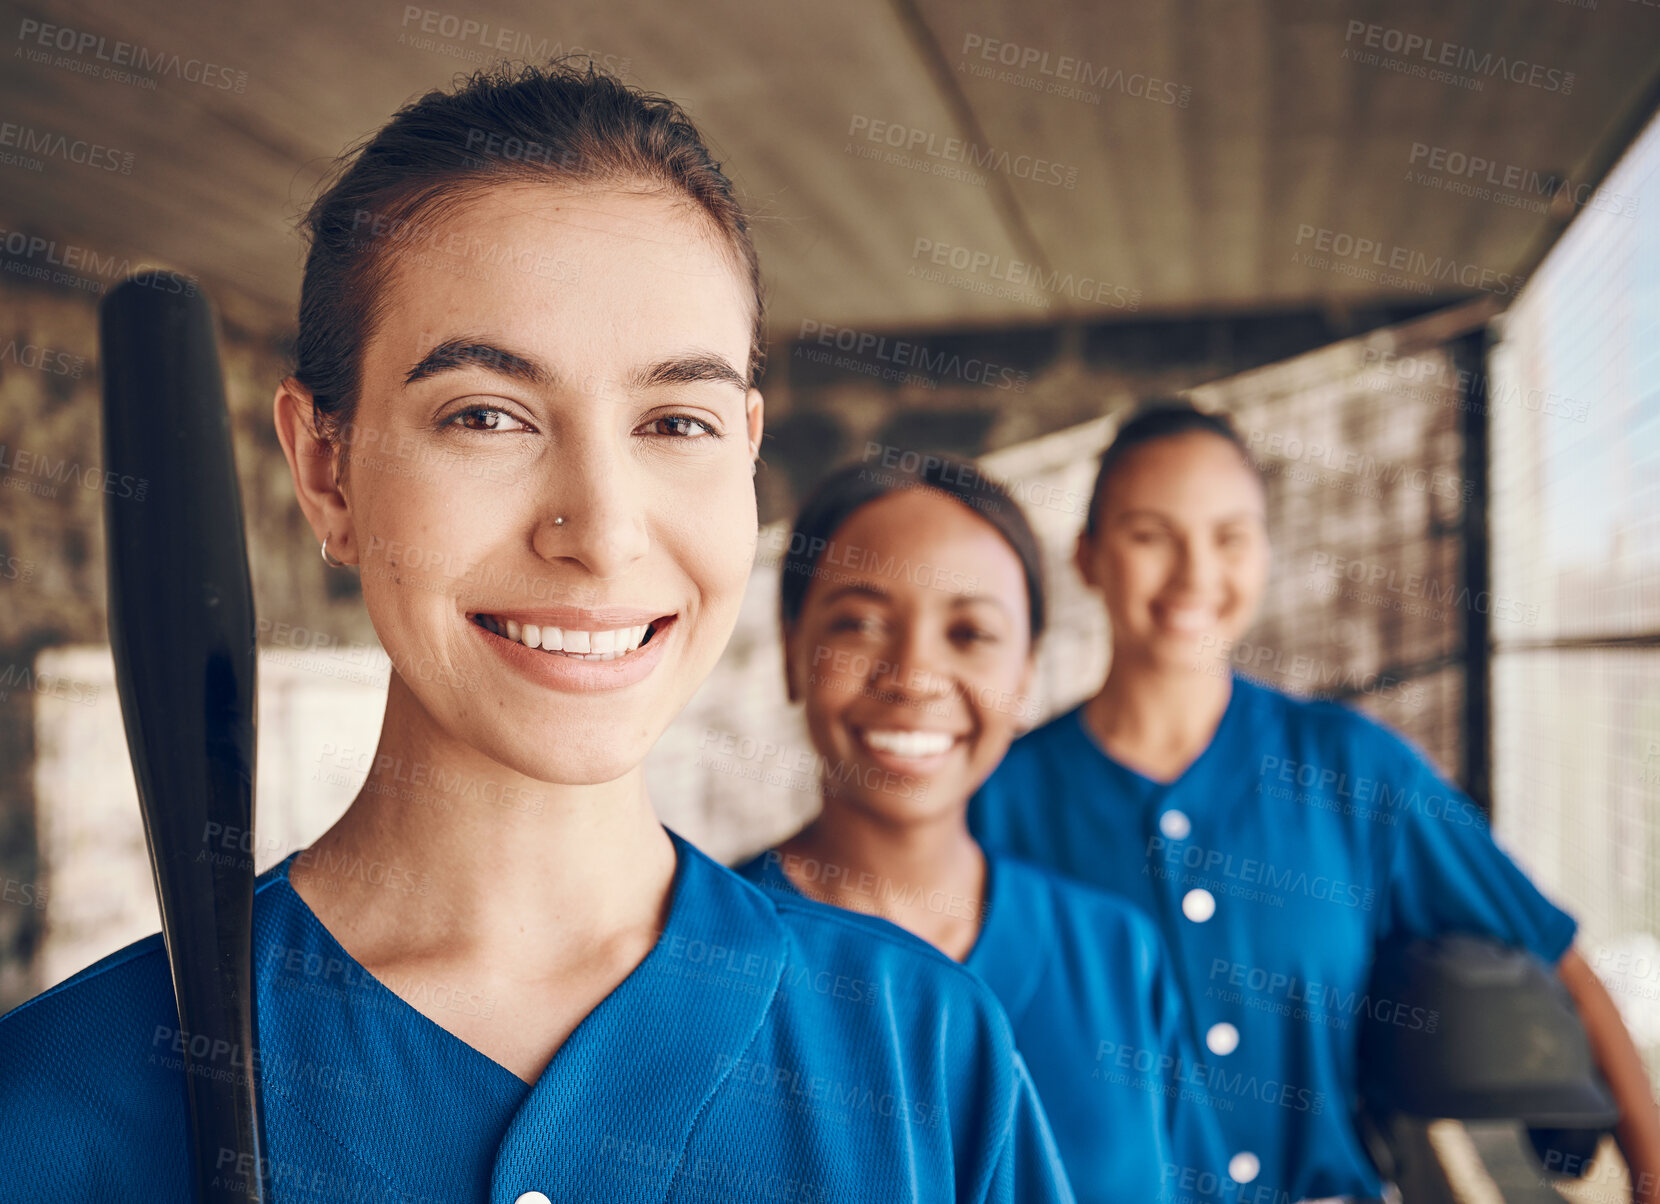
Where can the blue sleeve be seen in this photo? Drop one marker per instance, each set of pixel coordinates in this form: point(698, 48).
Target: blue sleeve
point(1446, 873)
point(1028, 1166)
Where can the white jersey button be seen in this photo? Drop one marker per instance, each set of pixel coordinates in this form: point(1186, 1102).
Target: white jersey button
point(1175, 824)
point(1243, 1167)
point(1198, 905)
point(1222, 1039)
point(533, 1197)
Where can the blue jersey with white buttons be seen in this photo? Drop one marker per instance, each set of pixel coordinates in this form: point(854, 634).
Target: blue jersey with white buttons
point(1099, 1019)
point(1301, 836)
point(765, 1049)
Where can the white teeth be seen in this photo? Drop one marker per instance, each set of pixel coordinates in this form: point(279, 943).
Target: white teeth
point(593, 645)
point(909, 744)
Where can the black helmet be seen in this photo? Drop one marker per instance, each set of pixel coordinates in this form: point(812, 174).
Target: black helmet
point(1469, 1029)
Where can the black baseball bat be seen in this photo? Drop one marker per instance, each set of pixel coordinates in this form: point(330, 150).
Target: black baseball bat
point(181, 620)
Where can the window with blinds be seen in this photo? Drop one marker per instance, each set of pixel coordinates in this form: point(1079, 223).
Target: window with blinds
point(1574, 427)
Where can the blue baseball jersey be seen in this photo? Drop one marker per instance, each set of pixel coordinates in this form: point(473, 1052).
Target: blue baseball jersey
point(1303, 835)
point(765, 1049)
point(1099, 1019)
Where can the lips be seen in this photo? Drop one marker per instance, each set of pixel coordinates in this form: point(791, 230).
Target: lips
point(907, 749)
point(1186, 617)
point(588, 643)
point(634, 643)
point(902, 743)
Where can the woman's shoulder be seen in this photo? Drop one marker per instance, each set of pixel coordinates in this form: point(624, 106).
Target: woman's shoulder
point(1327, 719)
point(102, 1042)
point(846, 954)
point(115, 989)
point(89, 1084)
point(1061, 731)
point(1048, 902)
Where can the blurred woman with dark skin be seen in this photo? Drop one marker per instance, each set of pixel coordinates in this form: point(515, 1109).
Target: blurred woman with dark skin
point(1276, 840)
point(911, 605)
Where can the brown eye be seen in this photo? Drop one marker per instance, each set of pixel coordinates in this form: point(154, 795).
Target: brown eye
point(856, 623)
point(682, 426)
point(484, 418)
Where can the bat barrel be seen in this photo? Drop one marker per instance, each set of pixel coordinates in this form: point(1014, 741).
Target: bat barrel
point(181, 620)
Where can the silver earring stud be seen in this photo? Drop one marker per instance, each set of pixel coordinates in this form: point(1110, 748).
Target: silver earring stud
point(560, 521)
point(330, 560)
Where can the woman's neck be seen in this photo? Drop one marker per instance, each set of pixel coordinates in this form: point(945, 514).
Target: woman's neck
point(928, 877)
point(445, 850)
point(1155, 719)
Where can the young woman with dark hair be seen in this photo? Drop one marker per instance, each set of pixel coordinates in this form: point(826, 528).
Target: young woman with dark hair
point(911, 605)
point(1276, 840)
point(525, 408)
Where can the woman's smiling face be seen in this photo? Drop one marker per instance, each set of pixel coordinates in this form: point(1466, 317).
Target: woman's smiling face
point(546, 353)
point(913, 654)
point(1180, 551)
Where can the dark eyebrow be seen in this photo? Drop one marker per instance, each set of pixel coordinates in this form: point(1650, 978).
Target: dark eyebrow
point(459, 353)
point(1235, 516)
point(980, 599)
point(691, 369)
point(861, 590)
point(463, 352)
point(856, 591)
